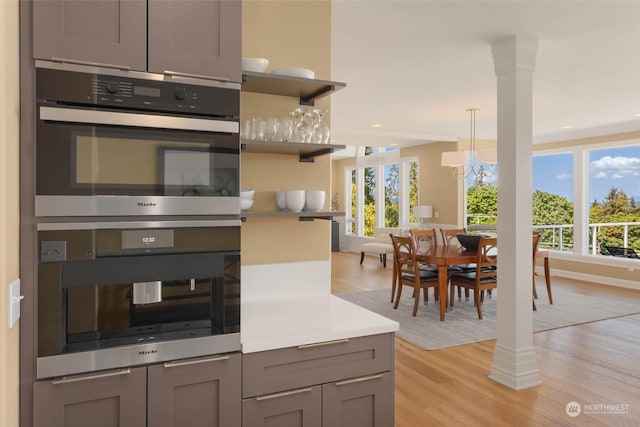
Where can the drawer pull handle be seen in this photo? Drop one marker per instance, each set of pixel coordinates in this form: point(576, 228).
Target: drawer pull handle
point(358, 380)
point(194, 362)
point(195, 76)
point(286, 393)
point(66, 380)
point(322, 344)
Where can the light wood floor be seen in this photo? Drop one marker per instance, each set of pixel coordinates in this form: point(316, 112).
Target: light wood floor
point(594, 363)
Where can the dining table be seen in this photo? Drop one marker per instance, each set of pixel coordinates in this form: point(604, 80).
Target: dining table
point(443, 257)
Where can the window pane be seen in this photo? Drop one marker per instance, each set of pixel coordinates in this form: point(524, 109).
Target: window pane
point(391, 193)
point(413, 189)
point(370, 201)
point(482, 194)
point(614, 190)
point(552, 208)
point(351, 228)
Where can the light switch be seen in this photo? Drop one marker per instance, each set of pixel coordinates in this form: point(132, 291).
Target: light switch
point(14, 302)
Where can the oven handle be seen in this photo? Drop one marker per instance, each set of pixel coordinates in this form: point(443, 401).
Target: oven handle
point(136, 120)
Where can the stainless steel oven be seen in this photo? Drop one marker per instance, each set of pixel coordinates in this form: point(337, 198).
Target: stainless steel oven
point(123, 143)
point(130, 293)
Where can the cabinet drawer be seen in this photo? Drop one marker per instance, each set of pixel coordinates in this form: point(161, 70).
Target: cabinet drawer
point(293, 408)
point(294, 367)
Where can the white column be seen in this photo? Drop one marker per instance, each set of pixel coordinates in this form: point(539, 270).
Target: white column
point(514, 359)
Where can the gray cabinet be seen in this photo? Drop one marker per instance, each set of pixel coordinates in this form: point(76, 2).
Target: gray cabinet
point(355, 377)
point(110, 32)
point(294, 408)
point(105, 399)
point(196, 392)
point(201, 38)
point(196, 37)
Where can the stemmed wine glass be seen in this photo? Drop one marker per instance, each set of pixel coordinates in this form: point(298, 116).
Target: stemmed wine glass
point(301, 129)
point(320, 131)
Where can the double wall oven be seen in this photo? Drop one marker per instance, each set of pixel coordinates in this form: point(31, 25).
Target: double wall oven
point(138, 219)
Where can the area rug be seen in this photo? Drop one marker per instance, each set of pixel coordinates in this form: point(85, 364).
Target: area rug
point(462, 325)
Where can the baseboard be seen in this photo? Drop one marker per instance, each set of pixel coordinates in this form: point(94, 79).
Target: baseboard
point(516, 369)
point(600, 280)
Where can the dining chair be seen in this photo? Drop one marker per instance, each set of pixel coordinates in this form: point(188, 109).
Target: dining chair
point(484, 277)
point(535, 241)
point(409, 272)
point(449, 237)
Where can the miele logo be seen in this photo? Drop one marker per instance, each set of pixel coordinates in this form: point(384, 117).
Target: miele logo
point(145, 352)
point(143, 204)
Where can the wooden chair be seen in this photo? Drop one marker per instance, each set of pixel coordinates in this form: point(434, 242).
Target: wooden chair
point(544, 255)
point(409, 272)
point(485, 276)
point(449, 237)
point(535, 241)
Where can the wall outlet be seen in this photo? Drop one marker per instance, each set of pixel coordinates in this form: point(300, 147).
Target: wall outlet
point(14, 302)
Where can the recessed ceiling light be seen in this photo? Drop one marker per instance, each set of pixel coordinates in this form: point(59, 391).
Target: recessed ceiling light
point(567, 127)
point(394, 144)
point(376, 125)
point(637, 114)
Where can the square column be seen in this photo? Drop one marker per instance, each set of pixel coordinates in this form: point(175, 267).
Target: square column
point(514, 359)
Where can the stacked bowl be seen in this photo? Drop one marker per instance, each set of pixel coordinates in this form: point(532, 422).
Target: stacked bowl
point(298, 200)
point(246, 199)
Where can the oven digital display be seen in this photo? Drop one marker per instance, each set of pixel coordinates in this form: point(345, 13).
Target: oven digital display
point(144, 239)
point(146, 91)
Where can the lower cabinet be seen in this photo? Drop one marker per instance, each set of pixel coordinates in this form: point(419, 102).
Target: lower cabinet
point(195, 392)
point(338, 383)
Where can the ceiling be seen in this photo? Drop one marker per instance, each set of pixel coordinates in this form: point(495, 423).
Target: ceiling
point(415, 67)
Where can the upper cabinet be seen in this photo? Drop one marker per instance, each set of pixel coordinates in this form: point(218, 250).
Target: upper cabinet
point(191, 37)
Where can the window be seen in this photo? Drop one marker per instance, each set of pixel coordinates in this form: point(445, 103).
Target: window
point(552, 208)
point(381, 191)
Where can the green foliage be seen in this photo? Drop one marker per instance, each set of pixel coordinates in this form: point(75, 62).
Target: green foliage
point(391, 196)
point(616, 207)
point(482, 204)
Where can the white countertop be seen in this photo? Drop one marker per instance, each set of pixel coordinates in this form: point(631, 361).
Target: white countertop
point(287, 322)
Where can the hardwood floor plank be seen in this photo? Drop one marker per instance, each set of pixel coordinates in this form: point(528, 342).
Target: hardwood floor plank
point(592, 363)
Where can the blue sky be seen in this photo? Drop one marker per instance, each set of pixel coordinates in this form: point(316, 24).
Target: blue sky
point(610, 167)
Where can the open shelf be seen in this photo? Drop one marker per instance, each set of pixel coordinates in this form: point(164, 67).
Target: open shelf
point(306, 151)
point(302, 216)
point(306, 90)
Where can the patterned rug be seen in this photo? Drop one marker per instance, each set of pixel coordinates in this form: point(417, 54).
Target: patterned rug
point(462, 325)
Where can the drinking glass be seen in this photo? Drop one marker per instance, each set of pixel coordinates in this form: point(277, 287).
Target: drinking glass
point(301, 129)
point(285, 129)
point(270, 129)
point(320, 131)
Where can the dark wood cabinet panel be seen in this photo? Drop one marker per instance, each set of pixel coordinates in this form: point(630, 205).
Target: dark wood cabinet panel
point(202, 392)
point(102, 399)
point(294, 408)
point(111, 32)
point(196, 37)
point(359, 402)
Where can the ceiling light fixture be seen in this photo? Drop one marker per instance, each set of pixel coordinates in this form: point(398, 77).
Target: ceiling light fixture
point(566, 127)
point(376, 125)
point(466, 163)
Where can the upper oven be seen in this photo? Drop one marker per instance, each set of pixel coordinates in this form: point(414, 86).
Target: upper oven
point(111, 142)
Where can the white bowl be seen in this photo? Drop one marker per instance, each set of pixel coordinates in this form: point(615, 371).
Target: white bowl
point(315, 200)
point(295, 72)
point(281, 200)
point(258, 65)
point(295, 200)
point(247, 193)
point(245, 204)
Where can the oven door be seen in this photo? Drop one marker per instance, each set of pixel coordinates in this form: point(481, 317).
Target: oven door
point(94, 162)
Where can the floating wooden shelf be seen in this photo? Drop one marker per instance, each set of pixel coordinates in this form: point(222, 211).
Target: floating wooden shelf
point(302, 216)
point(306, 90)
point(306, 152)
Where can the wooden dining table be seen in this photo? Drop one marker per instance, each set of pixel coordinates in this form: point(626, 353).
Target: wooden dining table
point(444, 257)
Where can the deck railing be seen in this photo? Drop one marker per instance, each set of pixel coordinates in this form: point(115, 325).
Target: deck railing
point(560, 236)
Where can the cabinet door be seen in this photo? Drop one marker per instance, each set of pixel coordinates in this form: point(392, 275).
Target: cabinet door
point(103, 399)
point(195, 392)
point(110, 32)
point(359, 402)
point(294, 408)
point(196, 37)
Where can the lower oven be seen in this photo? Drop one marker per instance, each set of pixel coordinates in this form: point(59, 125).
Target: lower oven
point(131, 294)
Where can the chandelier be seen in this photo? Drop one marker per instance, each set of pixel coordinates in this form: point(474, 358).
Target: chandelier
point(471, 162)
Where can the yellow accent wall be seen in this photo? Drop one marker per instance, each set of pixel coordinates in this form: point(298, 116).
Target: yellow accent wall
point(9, 212)
point(289, 34)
